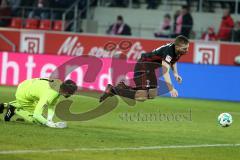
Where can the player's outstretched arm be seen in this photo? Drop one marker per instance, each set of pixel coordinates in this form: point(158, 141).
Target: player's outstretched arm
point(166, 75)
point(175, 73)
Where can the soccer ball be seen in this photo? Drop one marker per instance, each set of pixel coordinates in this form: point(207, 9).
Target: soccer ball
point(225, 119)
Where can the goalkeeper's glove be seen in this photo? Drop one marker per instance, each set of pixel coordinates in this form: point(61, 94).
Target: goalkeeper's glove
point(56, 125)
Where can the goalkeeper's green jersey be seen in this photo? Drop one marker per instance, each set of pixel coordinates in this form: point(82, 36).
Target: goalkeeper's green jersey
point(35, 94)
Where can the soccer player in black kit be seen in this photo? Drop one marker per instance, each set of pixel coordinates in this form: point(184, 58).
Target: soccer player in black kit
point(145, 78)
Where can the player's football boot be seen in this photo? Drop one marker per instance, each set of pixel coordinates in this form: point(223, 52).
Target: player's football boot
point(1, 107)
point(122, 85)
point(9, 113)
point(109, 92)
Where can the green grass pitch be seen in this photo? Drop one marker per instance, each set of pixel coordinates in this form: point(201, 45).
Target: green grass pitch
point(120, 133)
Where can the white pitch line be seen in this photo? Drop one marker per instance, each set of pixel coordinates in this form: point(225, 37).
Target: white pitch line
point(115, 148)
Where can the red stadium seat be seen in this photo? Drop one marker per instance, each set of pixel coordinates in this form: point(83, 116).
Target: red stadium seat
point(45, 24)
point(58, 25)
point(16, 23)
point(31, 24)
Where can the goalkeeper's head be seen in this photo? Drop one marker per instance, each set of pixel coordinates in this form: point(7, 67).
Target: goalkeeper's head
point(68, 88)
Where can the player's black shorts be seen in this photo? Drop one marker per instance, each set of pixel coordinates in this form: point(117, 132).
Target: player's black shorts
point(144, 75)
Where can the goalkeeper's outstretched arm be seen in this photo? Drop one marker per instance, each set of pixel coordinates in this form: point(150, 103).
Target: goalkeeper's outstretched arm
point(38, 115)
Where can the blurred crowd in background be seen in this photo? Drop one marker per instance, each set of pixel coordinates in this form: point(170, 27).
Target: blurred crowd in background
point(208, 5)
point(39, 8)
point(181, 23)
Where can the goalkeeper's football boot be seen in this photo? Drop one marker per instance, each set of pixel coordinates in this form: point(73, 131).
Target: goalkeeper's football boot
point(10, 112)
point(109, 92)
point(1, 107)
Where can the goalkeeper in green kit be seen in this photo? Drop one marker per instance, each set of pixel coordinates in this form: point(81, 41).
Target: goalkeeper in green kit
point(36, 95)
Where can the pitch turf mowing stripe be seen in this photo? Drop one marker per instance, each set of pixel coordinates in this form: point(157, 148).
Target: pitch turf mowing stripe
point(117, 149)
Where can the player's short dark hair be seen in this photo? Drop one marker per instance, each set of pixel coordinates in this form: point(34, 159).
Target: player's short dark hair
point(181, 40)
point(69, 86)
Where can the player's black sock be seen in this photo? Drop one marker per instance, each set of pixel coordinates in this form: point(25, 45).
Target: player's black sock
point(128, 93)
point(9, 113)
point(1, 107)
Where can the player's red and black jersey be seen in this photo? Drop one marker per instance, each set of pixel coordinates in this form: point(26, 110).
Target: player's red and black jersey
point(164, 53)
point(144, 71)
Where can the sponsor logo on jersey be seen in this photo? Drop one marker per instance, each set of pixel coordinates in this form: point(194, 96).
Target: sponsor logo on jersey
point(168, 58)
